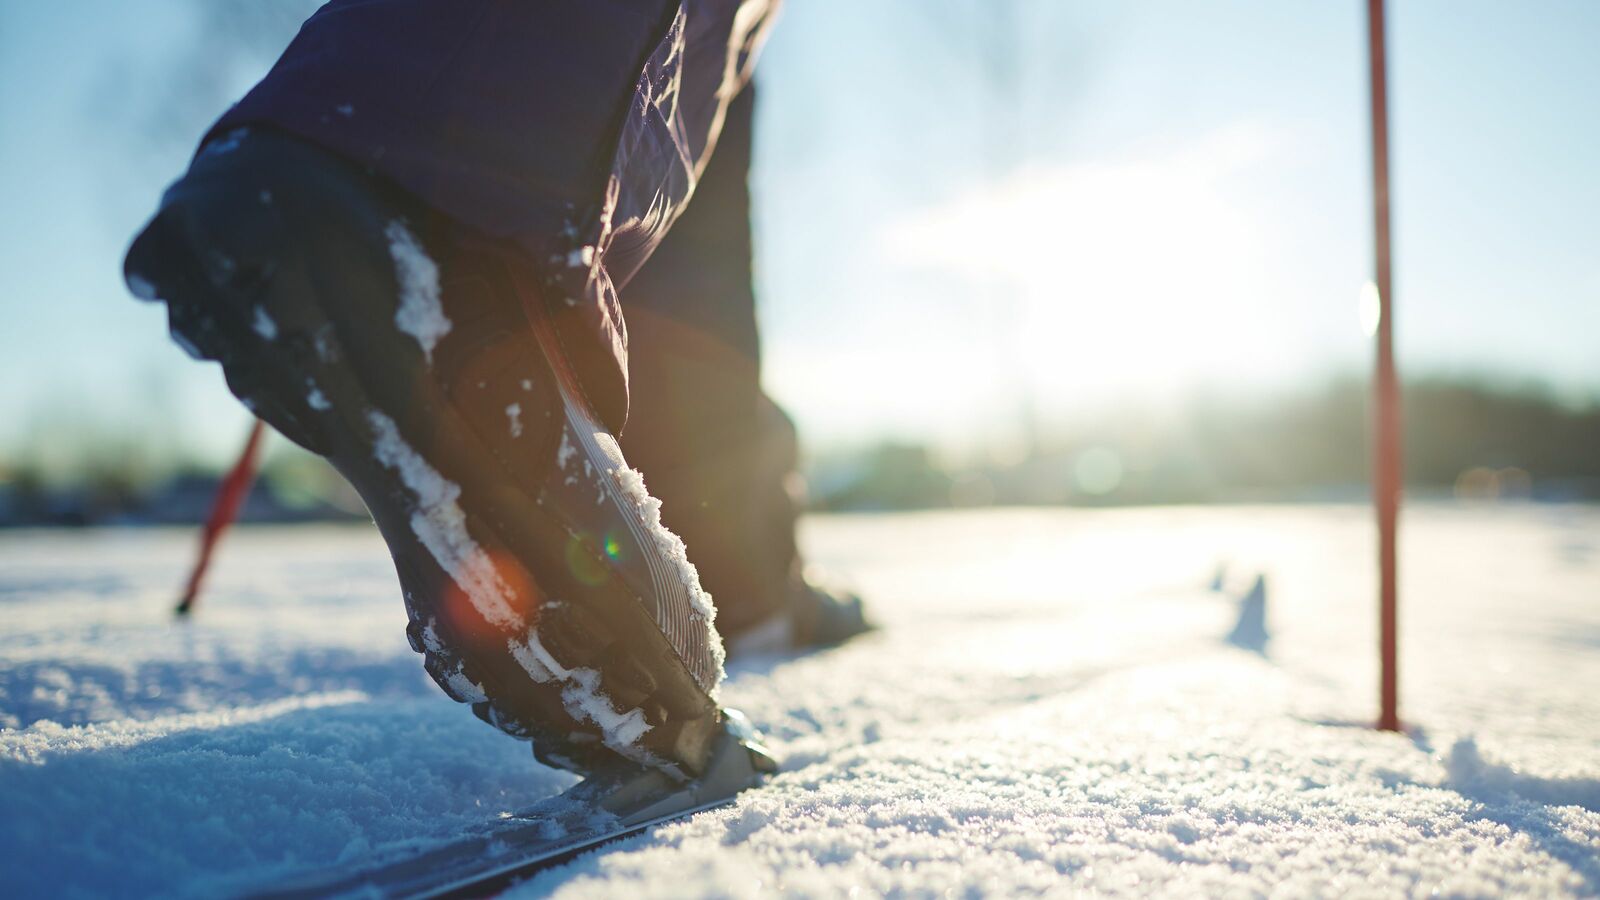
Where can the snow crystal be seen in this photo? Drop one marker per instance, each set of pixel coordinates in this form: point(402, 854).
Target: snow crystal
point(441, 525)
point(345, 109)
point(315, 398)
point(527, 384)
point(263, 324)
point(581, 258)
point(420, 314)
point(514, 416)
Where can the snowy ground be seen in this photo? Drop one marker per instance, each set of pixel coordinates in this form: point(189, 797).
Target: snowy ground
point(1051, 708)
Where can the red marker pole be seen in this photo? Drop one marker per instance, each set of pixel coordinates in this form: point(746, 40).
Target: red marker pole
point(231, 494)
point(1386, 390)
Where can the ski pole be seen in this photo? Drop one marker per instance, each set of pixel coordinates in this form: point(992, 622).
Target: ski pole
point(225, 508)
point(1386, 441)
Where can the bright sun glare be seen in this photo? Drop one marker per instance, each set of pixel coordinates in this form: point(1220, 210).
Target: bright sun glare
point(1139, 275)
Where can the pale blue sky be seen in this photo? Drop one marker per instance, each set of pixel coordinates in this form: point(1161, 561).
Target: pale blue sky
point(1186, 206)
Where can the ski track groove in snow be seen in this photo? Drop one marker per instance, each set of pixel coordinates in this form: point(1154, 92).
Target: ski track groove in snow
point(1050, 708)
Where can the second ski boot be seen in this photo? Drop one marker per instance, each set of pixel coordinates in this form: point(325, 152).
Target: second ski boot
point(418, 357)
point(813, 617)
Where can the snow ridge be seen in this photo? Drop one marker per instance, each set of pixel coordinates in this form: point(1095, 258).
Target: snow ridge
point(41, 741)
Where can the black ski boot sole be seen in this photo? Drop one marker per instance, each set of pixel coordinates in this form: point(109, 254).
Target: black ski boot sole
point(574, 663)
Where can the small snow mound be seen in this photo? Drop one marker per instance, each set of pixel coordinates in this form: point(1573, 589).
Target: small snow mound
point(420, 314)
point(1250, 632)
point(1468, 773)
point(1466, 768)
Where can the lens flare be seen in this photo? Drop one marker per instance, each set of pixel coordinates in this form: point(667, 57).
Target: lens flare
point(462, 617)
point(585, 561)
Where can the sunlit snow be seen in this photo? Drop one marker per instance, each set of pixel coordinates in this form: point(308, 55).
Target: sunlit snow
point(1052, 706)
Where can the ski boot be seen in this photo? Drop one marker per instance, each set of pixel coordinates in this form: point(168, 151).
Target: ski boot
point(814, 616)
point(418, 356)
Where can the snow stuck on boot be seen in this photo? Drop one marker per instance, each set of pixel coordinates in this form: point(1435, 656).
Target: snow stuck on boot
point(585, 702)
point(671, 549)
point(420, 314)
point(684, 610)
point(441, 526)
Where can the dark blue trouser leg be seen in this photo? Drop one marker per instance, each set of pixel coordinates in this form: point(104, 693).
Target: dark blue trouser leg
point(574, 128)
point(711, 445)
point(577, 129)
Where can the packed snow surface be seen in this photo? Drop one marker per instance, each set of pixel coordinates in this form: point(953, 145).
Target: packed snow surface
point(1052, 706)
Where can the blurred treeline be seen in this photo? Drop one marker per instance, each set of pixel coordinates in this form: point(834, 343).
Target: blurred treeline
point(1468, 438)
point(1465, 437)
point(114, 480)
